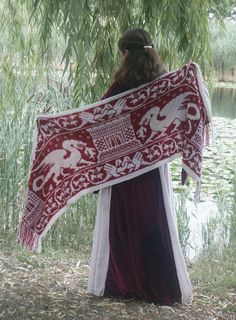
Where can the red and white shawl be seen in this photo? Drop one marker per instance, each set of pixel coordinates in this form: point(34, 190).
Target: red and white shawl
point(113, 140)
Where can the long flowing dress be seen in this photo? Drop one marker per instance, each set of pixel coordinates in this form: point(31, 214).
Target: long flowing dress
point(136, 250)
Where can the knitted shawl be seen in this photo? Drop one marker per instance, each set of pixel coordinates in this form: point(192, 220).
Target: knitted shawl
point(113, 140)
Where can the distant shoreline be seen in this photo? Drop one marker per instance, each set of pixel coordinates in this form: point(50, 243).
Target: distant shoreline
point(224, 84)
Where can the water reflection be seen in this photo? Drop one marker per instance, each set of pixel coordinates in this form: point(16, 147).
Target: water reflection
point(224, 102)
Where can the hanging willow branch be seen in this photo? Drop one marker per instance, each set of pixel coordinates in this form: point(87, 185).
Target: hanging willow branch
point(91, 29)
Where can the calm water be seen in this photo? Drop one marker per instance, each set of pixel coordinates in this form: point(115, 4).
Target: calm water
point(224, 102)
point(223, 105)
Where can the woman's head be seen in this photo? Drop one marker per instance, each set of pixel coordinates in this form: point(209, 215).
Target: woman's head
point(140, 62)
point(134, 39)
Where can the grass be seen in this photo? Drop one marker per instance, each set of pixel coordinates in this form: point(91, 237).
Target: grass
point(53, 286)
point(217, 272)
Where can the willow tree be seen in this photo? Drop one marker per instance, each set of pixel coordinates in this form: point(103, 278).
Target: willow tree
point(91, 28)
point(40, 38)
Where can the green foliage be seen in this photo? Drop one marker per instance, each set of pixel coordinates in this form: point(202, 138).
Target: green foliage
point(224, 45)
point(183, 220)
point(26, 88)
point(75, 230)
point(232, 218)
point(218, 232)
point(223, 8)
point(91, 29)
point(209, 235)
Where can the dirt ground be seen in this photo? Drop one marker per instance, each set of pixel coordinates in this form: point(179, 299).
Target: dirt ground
point(54, 287)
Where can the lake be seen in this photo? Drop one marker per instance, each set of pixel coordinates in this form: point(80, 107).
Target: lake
point(224, 102)
point(218, 167)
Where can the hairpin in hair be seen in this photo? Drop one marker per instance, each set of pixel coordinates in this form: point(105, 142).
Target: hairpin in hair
point(147, 47)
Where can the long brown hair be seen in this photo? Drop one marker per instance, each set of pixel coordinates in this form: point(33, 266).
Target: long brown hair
point(140, 64)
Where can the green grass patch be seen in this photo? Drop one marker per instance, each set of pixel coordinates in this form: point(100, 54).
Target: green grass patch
point(216, 273)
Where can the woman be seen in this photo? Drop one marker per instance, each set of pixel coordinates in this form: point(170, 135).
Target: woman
point(136, 250)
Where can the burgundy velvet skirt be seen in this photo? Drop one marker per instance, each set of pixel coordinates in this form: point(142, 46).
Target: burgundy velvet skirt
point(141, 261)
